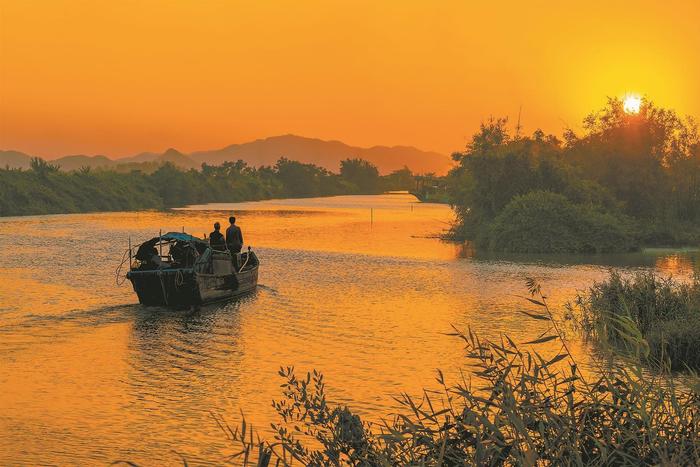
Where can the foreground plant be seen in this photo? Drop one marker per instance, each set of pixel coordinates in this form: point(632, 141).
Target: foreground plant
point(519, 408)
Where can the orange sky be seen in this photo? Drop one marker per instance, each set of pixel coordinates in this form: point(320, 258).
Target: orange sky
point(120, 77)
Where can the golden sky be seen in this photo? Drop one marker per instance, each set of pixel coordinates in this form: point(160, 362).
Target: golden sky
point(120, 77)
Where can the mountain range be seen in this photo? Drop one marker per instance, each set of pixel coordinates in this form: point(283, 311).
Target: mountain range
point(265, 151)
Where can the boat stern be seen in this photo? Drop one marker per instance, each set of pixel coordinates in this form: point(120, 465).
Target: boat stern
point(165, 287)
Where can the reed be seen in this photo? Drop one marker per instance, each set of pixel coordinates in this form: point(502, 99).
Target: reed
point(517, 408)
point(646, 316)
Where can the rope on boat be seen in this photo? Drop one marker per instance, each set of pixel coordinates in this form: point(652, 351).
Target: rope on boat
point(162, 286)
point(118, 272)
point(125, 258)
point(247, 257)
point(179, 278)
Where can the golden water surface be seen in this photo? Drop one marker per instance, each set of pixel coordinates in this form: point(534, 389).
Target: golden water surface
point(359, 287)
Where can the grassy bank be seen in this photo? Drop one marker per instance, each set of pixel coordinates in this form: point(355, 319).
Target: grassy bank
point(656, 318)
point(518, 408)
point(44, 189)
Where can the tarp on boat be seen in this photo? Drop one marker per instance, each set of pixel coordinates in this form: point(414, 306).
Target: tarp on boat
point(148, 248)
point(182, 237)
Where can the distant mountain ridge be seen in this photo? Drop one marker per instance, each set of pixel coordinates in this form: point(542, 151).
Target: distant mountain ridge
point(14, 159)
point(264, 151)
point(170, 155)
point(326, 154)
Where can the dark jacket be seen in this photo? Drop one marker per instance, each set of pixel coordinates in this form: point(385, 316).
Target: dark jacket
point(234, 238)
point(216, 240)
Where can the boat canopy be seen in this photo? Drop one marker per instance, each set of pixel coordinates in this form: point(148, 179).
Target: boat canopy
point(181, 237)
point(185, 250)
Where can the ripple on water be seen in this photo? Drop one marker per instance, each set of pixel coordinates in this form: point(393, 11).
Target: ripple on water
point(89, 377)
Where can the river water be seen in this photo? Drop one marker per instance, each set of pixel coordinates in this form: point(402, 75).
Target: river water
point(359, 287)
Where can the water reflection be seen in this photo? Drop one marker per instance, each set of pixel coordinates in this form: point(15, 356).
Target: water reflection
point(676, 262)
point(358, 287)
point(180, 360)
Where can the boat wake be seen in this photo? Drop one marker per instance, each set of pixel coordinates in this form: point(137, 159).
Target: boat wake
point(92, 317)
point(268, 288)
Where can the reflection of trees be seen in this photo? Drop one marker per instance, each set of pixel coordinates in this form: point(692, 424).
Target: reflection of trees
point(678, 264)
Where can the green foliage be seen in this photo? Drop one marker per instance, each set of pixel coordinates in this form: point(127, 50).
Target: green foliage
point(545, 222)
point(663, 313)
point(46, 190)
point(299, 179)
point(397, 180)
point(51, 191)
point(519, 408)
point(645, 167)
point(41, 167)
point(364, 175)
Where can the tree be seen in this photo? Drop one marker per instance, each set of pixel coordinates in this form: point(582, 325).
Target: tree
point(41, 167)
point(644, 166)
point(299, 179)
point(630, 153)
point(402, 179)
point(496, 168)
point(361, 173)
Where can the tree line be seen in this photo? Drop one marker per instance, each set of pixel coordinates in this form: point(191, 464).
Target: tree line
point(628, 180)
point(44, 189)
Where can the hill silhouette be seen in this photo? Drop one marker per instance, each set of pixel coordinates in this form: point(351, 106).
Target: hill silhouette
point(267, 151)
point(326, 154)
point(78, 161)
point(171, 155)
point(14, 159)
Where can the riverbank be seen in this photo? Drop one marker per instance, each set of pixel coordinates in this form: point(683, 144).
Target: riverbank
point(44, 189)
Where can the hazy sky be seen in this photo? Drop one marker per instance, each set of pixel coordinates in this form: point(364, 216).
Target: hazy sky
point(120, 77)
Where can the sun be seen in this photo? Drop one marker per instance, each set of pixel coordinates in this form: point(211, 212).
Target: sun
point(632, 103)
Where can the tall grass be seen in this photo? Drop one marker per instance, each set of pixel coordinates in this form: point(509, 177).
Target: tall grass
point(654, 317)
point(517, 408)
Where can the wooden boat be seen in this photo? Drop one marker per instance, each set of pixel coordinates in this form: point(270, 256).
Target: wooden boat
point(191, 273)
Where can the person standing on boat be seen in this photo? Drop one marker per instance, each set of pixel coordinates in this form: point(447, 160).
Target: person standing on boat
point(216, 238)
point(234, 236)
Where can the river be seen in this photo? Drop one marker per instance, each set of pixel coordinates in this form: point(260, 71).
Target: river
point(358, 287)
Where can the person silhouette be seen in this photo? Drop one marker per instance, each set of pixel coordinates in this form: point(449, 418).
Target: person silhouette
point(216, 238)
point(234, 236)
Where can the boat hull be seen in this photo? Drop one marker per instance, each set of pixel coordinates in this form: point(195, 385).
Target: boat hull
point(185, 287)
point(213, 288)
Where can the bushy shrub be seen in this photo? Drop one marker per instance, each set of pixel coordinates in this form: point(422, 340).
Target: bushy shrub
point(544, 222)
point(664, 312)
point(646, 166)
point(669, 233)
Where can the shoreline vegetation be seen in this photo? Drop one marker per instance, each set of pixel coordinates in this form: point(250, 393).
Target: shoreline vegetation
point(628, 181)
point(520, 407)
point(646, 317)
point(45, 189)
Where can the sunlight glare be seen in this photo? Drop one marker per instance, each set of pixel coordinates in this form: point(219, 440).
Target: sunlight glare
point(632, 103)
